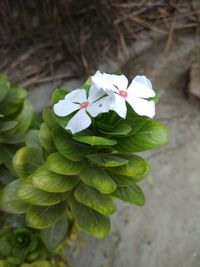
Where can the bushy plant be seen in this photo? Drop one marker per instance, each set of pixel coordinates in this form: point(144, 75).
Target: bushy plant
point(18, 127)
point(16, 114)
point(64, 174)
point(83, 157)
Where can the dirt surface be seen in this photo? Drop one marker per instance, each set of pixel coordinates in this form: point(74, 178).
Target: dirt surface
point(165, 232)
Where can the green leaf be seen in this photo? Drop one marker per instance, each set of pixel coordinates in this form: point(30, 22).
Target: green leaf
point(26, 160)
point(13, 101)
point(4, 86)
point(49, 119)
point(55, 234)
point(69, 148)
point(25, 117)
point(9, 200)
point(13, 138)
point(44, 217)
point(46, 138)
point(7, 125)
point(34, 196)
point(32, 138)
point(87, 85)
point(147, 134)
point(59, 164)
point(53, 182)
point(6, 154)
point(5, 245)
point(122, 180)
point(3, 263)
point(37, 264)
point(5, 176)
point(36, 121)
point(95, 140)
point(58, 94)
point(136, 167)
point(107, 160)
point(132, 194)
point(95, 200)
point(119, 130)
point(98, 178)
point(90, 221)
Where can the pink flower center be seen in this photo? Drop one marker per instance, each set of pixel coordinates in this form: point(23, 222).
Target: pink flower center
point(84, 105)
point(123, 93)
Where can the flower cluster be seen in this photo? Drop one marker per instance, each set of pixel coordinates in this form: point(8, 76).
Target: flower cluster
point(107, 92)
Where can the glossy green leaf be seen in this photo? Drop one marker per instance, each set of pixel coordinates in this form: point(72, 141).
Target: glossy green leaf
point(13, 100)
point(38, 255)
point(58, 94)
point(49, 119)
point(55, 234)
point(46, 138)
point(32, 138)
point(34, 196)
point(6, 154)
point(7, 125)
point(49, 181)
point(95, 140)
point(44, 217)
point(13, 138)
point(122, 180)
point(120, 130)
point(90, 221)
point(87, 85)
point(36, 264)
point(136, 167)
point(25, 117)
point(68, 147)
point(4, 86)
point(9, 200)
point(59, 164)
point(147, 134)
point(36, 121)
point(5, 245)
point(95, 200)
point(4, 263)
point(98, 178)
point(107, 160)
point(26, 160)
point(132, 194)
point(5, 176)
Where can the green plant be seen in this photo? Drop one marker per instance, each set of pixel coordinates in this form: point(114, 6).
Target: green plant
point(79, 175)
point(19, 127)
point(16, 116)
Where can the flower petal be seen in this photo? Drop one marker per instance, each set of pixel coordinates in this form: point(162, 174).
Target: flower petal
point(119, 105)
point(95, 93)
point(76, 96)
point(64, 108)
point(100, 106)
point(143, 80)
point(142, 107)
point(99, 81)
point(79, 122)
point(119, 81)
point(141, 87)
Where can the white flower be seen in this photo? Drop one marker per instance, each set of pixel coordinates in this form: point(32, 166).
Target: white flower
point(136, 94)
point(77, 100)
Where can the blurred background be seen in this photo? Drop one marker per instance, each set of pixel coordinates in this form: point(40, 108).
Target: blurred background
point(46, 44)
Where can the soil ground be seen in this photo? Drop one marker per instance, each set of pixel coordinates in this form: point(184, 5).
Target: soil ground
point(165, 232)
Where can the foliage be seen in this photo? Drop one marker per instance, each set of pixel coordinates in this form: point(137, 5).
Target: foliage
point(80, 175)
point(20, 245)
point(54, 180)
